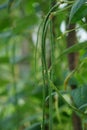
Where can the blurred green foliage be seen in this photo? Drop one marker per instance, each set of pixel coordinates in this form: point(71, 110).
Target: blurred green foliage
point(20, 84)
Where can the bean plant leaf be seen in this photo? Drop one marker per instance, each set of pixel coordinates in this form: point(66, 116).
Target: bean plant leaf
point(79, 96)
point(82, 12)
point(76, 6)
point(75, 48)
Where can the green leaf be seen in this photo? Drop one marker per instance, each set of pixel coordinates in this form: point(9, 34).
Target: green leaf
point(79, 96)
point(75, 48)
point(75, 8)
point(82, 12)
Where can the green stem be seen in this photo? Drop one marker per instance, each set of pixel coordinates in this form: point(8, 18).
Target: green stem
point(44, 66)
point(51, 77)
point(71, 106)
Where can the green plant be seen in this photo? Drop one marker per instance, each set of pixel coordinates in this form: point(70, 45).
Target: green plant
point(40, 86)
point(74, 48)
